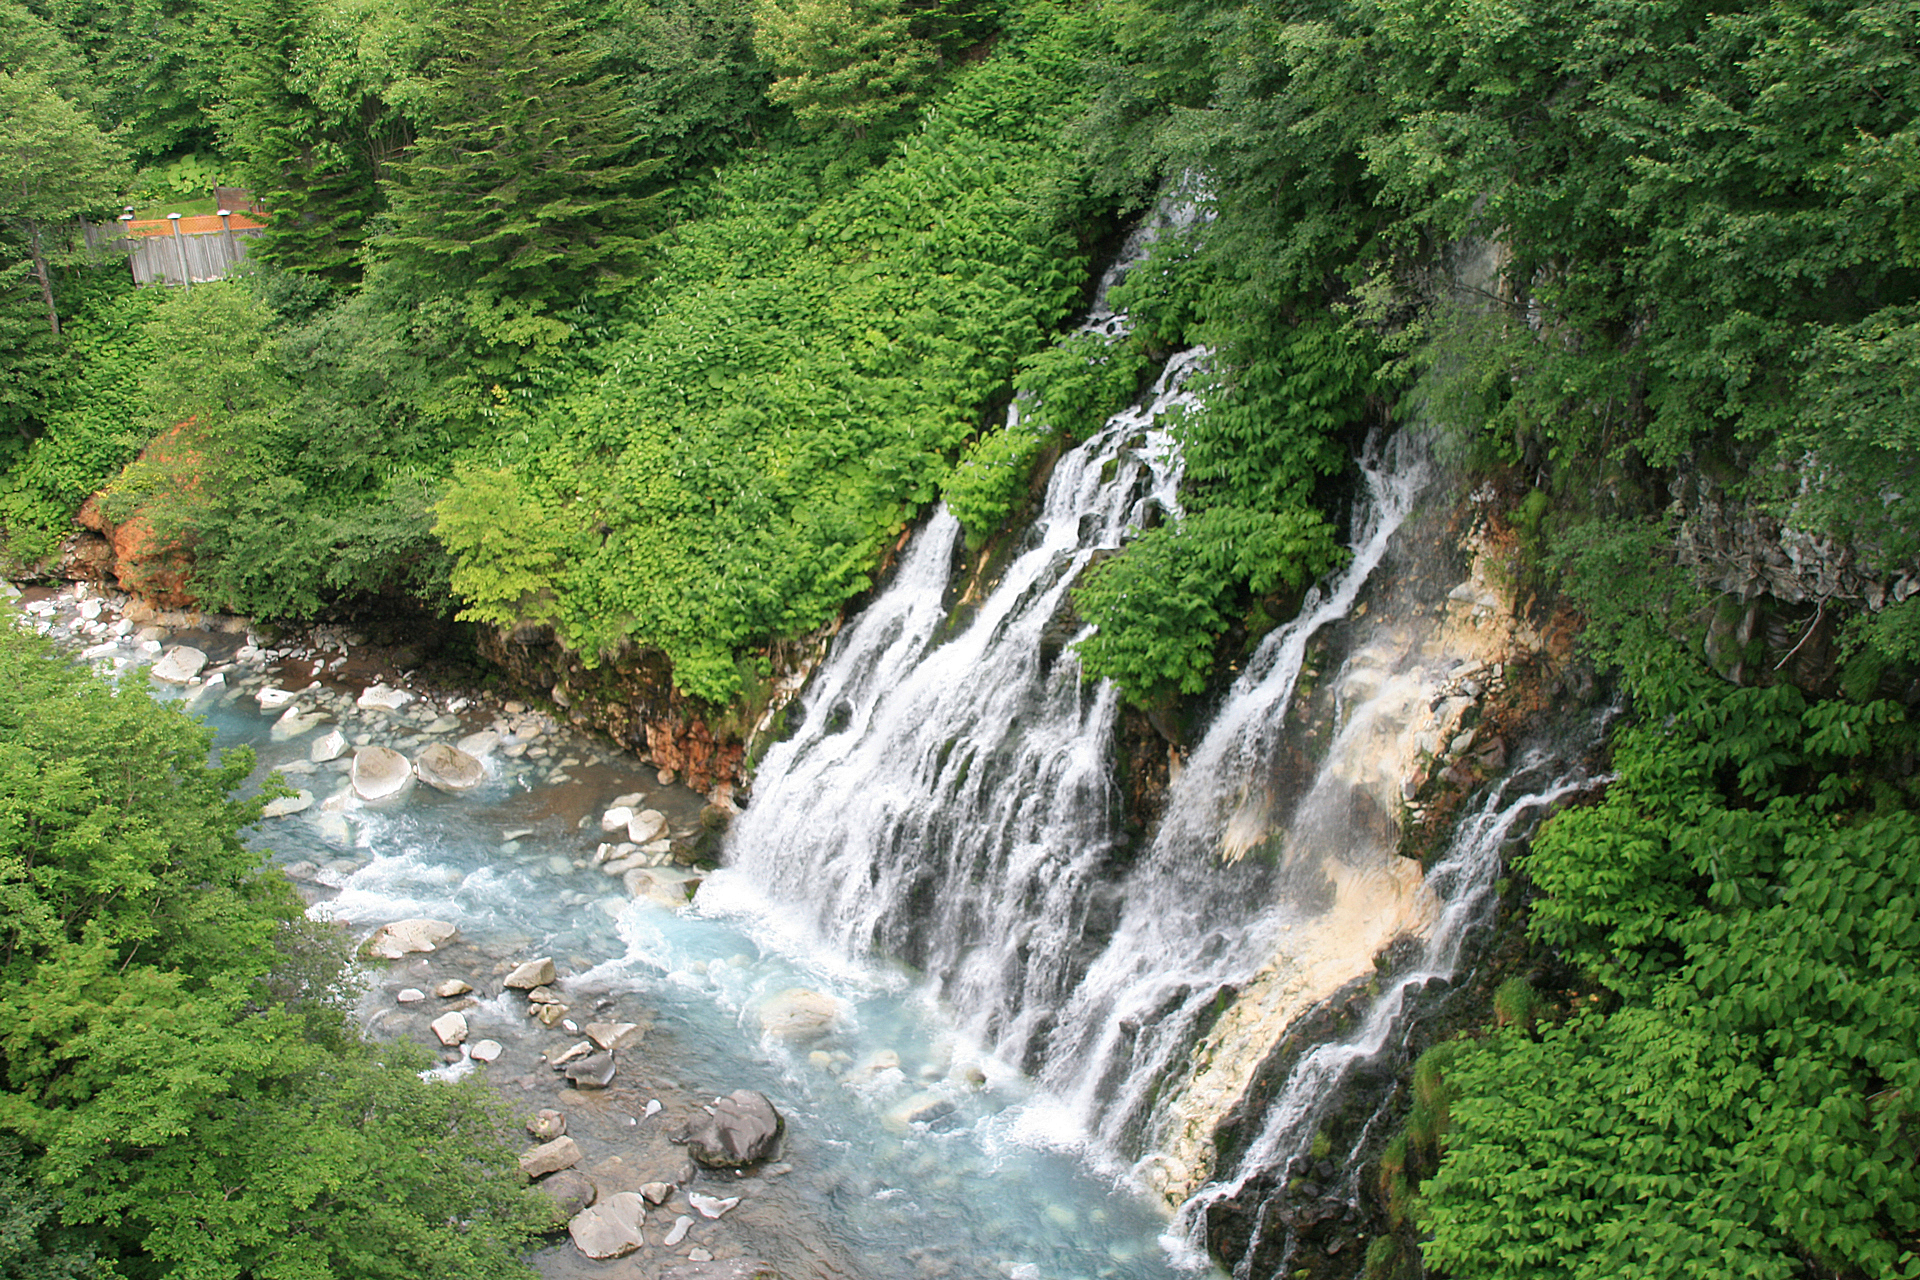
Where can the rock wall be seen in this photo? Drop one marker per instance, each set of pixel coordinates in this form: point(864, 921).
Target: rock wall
point(632, 700)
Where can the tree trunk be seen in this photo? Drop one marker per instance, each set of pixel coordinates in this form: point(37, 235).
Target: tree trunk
point(40, 270)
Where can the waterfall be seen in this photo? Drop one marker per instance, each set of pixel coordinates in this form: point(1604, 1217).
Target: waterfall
point(947, 800)
point(1200, 919)
point(1462, 881)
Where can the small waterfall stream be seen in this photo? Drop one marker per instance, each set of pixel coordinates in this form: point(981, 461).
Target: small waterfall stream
point(1462, 882)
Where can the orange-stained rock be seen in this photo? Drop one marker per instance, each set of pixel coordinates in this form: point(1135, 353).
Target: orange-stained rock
point(157, 573)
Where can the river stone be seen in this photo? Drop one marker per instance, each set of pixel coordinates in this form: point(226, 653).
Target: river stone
point(646, 826)
point(921, 1108)
point(450, 1027)
point(272, 698)
point(574, 1054)
point(616, 819)
point(179, 664)
point(681, 1225)
point(293, 722)
point(799, 1013)
point(452, 987)
point(532, 974)
point(380, 773)
point(610, 1229)
point(449, 768)
point(391, 941)
point(479, 744)
point(486, 1051)
point(410, 995)
point(548, 1125)
point(743, 1128)
point(550, 1157)
point(710, 1206)
point(330, 745)
point(284, 806)
point(657, 1193)
point(570, 1192)
point(644, 884)
point(596, 1071)
point(382, 698)
point(549, 1015)
point(612, 1035)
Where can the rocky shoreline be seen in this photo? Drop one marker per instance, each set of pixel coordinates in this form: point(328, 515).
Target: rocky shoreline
point(637, 1164)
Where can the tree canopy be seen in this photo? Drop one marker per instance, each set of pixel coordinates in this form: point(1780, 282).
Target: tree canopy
point(178, 1070)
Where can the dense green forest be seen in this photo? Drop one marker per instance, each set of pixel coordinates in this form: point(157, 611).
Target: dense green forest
point(656, 322)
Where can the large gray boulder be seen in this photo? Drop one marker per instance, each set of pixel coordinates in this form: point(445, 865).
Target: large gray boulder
point(449, 768)
point(380, 773)
point(610, 1229)
point(595, 1071)
point(743, 1129)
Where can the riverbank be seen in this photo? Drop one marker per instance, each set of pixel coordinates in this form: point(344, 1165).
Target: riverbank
point(901, 1142)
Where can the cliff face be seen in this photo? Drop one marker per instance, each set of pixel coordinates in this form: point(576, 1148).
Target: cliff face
point(632, 700)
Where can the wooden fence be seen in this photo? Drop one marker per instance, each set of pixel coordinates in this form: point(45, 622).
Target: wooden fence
point(178, 250)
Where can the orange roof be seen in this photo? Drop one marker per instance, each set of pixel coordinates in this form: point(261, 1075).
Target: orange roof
point(195, 225)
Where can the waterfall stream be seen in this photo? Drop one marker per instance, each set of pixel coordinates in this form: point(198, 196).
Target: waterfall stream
point(949, 804)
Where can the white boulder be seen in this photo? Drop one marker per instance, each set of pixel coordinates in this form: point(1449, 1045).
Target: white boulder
point(391, 941)
point(449, 768)
point(179, 664)
point(380, 773)
point(383, 698)
point(330, 745)
point(298, 802)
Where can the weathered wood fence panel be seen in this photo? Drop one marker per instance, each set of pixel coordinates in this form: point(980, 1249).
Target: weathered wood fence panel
point(169, 258)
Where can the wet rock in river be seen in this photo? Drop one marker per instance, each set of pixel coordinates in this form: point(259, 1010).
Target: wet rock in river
point(286, 806)
point(380, 773)
point(179, 664)
point(595, 1071)
point(450, 1027)
point(613, 1035)
point(531, 975)
point(610, 1229)
point(799, 1013)
point(570, 1192)
point(742, 1129)
point(548, 1125)
point(550, 1157)
point(382, 698)
point(448, 768)
point(711, 1206)
point(394, 940)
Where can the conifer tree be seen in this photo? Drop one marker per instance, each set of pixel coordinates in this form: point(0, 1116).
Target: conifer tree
point(523, 191)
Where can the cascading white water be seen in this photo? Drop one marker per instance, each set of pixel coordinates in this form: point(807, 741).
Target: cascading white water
point(1196, 924)
point(949, 803)
point(1462, 881)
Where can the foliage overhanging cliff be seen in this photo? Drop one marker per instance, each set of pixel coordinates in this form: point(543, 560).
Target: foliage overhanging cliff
point(671, 361)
